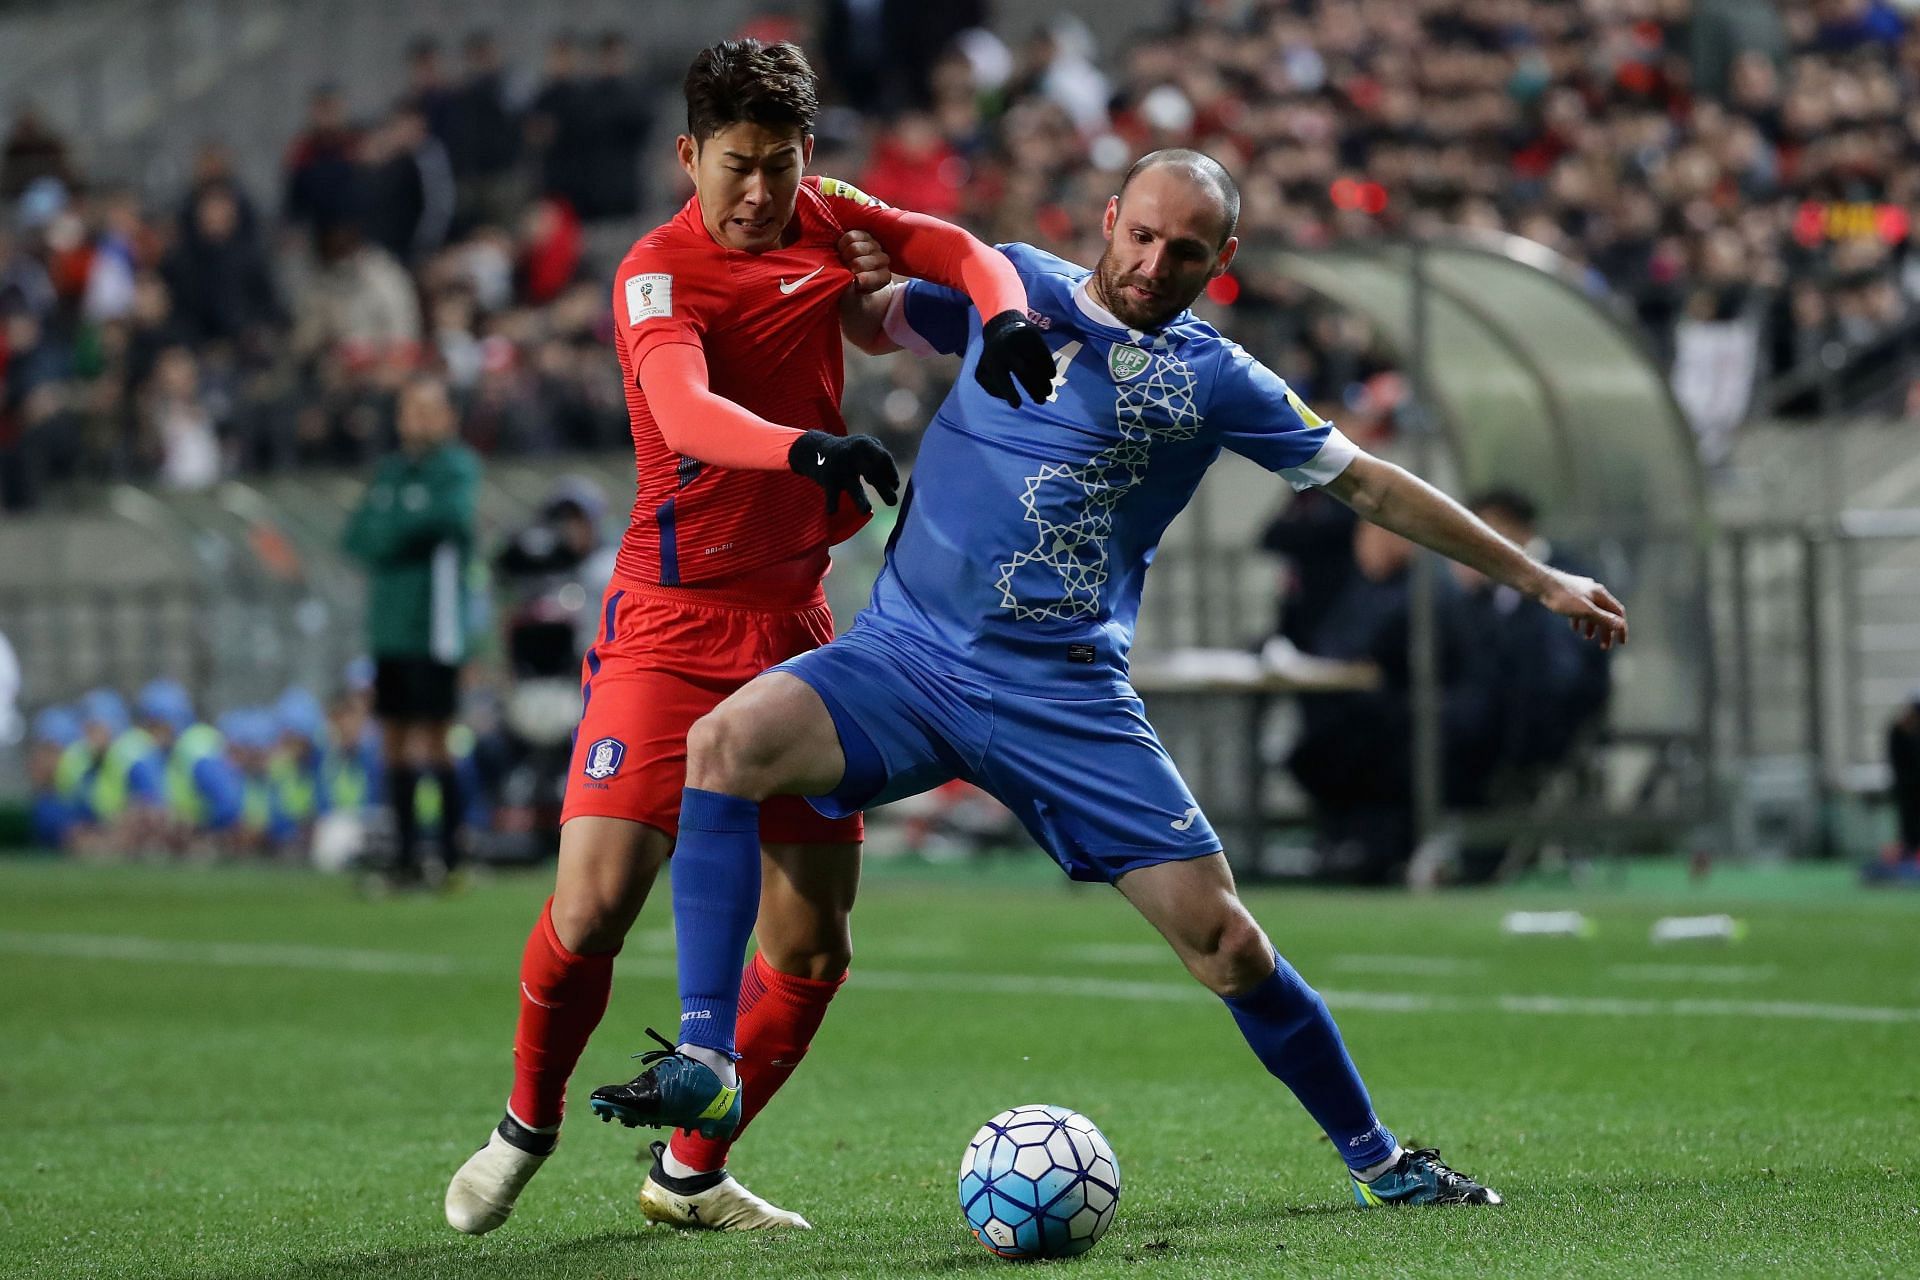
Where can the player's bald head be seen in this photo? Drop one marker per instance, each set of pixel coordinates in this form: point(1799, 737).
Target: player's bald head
point(1202, 170)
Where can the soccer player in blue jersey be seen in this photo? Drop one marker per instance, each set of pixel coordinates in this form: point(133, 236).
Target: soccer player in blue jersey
point(995, 650)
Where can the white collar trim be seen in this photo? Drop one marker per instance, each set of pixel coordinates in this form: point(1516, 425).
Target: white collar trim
point(1083, 299)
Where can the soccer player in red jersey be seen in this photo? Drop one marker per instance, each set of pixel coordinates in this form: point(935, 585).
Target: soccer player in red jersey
point(728, 321)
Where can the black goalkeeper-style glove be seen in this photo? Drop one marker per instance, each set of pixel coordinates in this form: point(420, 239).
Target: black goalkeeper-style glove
point(1012, 350)
point(839, 463)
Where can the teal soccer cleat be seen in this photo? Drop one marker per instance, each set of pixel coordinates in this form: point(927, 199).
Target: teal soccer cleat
point(674, 1092)
point(1421, 1178)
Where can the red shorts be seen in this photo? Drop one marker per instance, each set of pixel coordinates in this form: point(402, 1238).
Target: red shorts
point(664, 658)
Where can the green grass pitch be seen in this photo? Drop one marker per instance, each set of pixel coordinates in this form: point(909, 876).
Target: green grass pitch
point(239, 1073)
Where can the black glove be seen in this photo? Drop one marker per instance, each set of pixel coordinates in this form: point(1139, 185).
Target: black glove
point(839, 463)
point(1011, 349)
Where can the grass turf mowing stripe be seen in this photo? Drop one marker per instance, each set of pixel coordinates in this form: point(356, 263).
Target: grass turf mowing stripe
point(362, 960)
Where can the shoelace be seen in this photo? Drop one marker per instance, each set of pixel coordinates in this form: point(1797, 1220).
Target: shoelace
point(1445, 1176)
point(667, 1049)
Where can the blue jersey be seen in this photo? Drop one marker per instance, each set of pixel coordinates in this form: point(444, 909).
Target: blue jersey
point(1027, 532)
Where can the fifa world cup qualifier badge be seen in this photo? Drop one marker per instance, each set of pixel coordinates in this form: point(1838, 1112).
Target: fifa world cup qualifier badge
point(1125, 361)
point(649, 296)
point(603, 758)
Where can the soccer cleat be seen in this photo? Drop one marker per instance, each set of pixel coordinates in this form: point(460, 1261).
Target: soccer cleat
point(1420, 1178)
point(483, 1192)
point(709, 1202)
point(674, 1092)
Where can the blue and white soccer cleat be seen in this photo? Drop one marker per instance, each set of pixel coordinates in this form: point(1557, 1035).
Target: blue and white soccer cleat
point(1421, 1178)
point(674, 1092)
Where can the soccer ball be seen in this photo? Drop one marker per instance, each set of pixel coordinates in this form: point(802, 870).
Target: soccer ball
point(1039, 1182)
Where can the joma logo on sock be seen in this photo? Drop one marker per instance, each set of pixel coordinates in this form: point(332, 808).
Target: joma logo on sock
point(697, 1013)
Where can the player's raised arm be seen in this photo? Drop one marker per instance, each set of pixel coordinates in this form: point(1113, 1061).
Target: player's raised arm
point(1013, 350)
point(1396, 499)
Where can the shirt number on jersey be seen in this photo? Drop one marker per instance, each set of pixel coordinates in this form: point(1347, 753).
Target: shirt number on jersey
point(1061, 359)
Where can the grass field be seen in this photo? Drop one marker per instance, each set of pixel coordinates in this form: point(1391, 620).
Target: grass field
point(251, 1073)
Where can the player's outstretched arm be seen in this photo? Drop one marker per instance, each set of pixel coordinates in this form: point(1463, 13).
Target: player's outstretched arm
point(696, 423)
point(1396, 499)
point(1012, 348)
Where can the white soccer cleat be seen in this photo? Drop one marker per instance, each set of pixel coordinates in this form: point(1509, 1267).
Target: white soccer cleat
point(483, 1192)
point(710, 1202)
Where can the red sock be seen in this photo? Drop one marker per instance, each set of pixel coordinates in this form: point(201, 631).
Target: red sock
point(563, 996)
point(778, 1015)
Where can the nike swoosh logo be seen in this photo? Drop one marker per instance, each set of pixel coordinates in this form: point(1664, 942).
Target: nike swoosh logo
point(536, 999)
point(1185, 821)
point(789, 288)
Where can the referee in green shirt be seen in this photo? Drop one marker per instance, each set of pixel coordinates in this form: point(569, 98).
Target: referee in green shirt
point(414, 530)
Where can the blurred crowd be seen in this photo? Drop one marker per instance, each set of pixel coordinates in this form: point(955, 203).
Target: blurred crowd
point(181, 343)
point(1741, 175)
point(155, 778)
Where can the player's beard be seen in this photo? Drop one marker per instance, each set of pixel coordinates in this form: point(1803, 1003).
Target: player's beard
point(1112, 280)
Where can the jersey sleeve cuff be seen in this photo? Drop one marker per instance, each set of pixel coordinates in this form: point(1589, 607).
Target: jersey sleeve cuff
point(899, 330)
point(1336, 453)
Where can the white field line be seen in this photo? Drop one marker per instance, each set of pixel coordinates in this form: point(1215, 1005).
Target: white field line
point(1702, 973)
point(112, 947)
point(1425, 966)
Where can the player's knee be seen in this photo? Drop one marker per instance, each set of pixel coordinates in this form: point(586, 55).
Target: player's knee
point(819, 961)
point(726, 754)
point(1237, 958)
point(592, 919)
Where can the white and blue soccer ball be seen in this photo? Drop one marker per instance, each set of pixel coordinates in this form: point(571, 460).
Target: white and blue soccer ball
point(1039, 1182)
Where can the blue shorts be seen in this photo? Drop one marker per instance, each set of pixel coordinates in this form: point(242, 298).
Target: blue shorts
point(1087, 777)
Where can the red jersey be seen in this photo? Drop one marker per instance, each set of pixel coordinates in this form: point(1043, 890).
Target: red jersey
point(769, 325)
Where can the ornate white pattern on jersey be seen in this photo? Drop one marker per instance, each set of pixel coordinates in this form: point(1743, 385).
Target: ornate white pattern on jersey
point(1156, 405)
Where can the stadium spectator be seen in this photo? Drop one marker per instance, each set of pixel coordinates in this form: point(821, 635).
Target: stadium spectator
point(218, 275)
point(409, 199)
point(1354, 756)
point(428, 91)
point(617, 117)
point(32, 151)
point(247, 733)
point(1555, 688)
point(880, 53)
point(52, 784)
point(558, 129)
point(359, 308)
point(125, 794)
point(320, 168)
point(296, 773)
point(204, 793)
point(483, 137)
point(414, 531)
point(1903, 760)
point(180, 423)
point(1313, 534)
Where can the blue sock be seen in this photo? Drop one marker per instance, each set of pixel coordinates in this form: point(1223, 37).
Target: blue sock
point(1292, 1033)
point(716, 895)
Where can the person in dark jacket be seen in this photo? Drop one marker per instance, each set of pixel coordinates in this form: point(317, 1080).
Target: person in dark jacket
point(222, 286)
point(414, 530)
point(1903, 756)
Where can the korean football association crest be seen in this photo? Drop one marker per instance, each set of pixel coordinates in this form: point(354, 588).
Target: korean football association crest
point(604, 757)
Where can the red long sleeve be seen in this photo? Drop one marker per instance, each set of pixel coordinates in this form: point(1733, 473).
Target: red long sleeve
point(696, 423)
point(930, 249)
